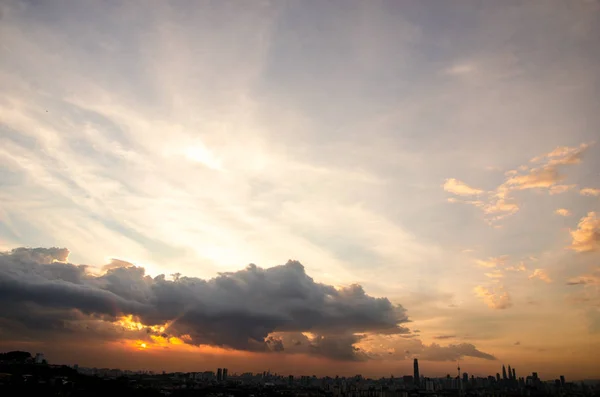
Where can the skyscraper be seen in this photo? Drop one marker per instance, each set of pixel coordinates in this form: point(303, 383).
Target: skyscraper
point(417, 378)
point(503, 372)
point(219, 374)
point(509, 373)
point(514, 374)
point(497, 377)
point(224, 374)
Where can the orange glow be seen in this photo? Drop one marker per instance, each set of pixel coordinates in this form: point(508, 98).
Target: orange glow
point(132, 324)
point(161, 341)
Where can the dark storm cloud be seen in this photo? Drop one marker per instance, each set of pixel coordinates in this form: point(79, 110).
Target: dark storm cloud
point(339, 346)
point(238, 309)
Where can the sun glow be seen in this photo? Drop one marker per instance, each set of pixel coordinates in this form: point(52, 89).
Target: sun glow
point(131, 324)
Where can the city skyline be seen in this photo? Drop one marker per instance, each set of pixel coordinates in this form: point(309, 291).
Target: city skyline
point(221, 374)
point(282, 184)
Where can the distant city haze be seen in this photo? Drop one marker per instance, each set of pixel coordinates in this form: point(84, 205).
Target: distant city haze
point(310, 188)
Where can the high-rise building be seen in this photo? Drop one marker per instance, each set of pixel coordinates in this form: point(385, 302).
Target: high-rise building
point(219, 374)
point(509, 373)
point(465, 378)
point(497, 377)
point(224, 374)
point(416, 376)
point(514, 374)
point(503, 372)
point(562, 380)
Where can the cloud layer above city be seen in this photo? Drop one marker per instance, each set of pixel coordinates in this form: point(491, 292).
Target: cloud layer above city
point(411, 179)
point(279, 310)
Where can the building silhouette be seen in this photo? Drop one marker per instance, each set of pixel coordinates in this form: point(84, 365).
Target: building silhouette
point(416, 376)
point(503, 372)
point(224, 374)
point(219, 374)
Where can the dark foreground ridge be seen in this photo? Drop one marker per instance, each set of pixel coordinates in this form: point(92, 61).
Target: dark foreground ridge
point(22, 374)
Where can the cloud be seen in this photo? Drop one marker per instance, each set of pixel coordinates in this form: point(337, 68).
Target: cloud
point(587, 279)
point(537, 178)
point(435, 352)
point(586, 237)
point(541, 275)
point(498, 203)
point(563, 155)
point(493, 299)
point(493, 262)
point(444, 337)
point(518, 268)
point(558, 189)
point(238, 310)
point(116, 263)
point(588, 191)
point(461, 69)
point(403, 348)
point(495, 274)
point(458, 187)
point(562, 212)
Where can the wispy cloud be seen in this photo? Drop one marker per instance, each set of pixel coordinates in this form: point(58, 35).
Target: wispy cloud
point(494, 298)
point(492, 262)
point(540, 274)
point(444, 337)
point(545, 175)
point(588, 191)
point(586, 279)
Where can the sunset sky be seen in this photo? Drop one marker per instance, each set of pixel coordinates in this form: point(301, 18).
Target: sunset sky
point(326, 187)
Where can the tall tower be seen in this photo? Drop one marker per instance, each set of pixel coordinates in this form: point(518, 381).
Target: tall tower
point(460, 385)
point(219, 374)
point(417, 377)
point(509, 373)
point(514, 374)
point(503, 372)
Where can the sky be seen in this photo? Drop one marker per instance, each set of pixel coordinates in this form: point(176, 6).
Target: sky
point(305, 187)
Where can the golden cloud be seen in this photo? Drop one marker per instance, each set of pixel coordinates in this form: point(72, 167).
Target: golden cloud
point(588, 191)
point(586, 237)
point(562, 212)
point(460, 188)
point(498, 203)
point(494, 300)
point(492, 261)
point(540, 274)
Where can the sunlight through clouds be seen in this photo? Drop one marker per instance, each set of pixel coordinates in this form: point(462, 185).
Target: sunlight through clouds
point(441, 157)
